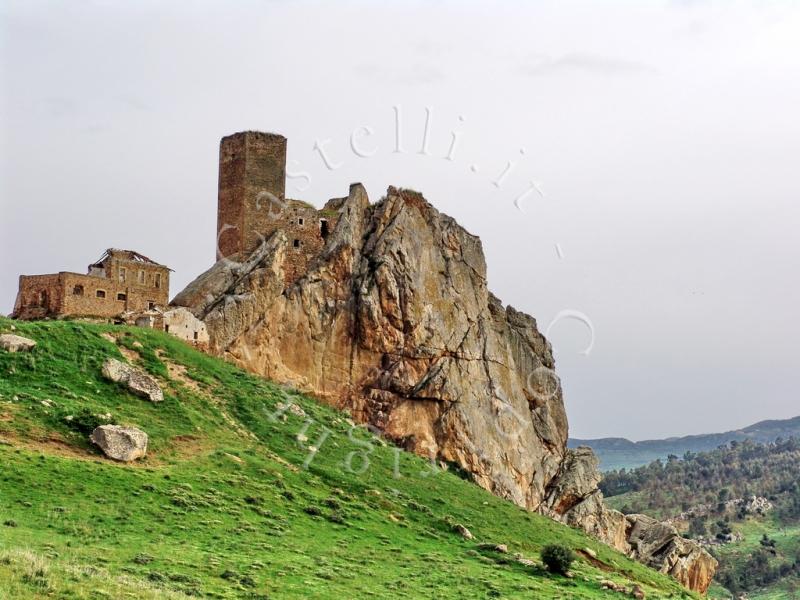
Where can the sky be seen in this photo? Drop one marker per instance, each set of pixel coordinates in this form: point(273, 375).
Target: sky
point(632, 168)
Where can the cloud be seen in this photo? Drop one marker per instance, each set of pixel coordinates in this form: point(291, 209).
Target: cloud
point(132, 102)
point(57, 106)
point(587, 63)
point(416, 74)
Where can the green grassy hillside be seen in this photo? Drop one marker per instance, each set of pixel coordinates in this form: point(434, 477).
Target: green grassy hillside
point(240, 499)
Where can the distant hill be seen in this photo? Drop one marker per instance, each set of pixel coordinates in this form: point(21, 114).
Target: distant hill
point(618, 453)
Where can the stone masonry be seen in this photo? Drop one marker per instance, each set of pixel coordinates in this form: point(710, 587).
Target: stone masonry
point(252, 203)
point(121, 281)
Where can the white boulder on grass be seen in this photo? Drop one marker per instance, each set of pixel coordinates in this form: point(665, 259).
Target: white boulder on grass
point(136, 380)
point(16, 343)
point(125, 444)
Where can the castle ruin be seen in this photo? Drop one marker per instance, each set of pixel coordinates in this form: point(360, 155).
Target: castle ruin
point(252, 203)
point(120, 281)
point(128, 287)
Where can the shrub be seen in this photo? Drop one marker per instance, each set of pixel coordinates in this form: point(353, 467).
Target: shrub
point(557, 558)
point(84, 421)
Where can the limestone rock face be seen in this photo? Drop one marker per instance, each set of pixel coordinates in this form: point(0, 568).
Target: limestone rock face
point(124, 444)
point(136, 380)
point(661, 546)
point(394, 322)
point(16, 343)
point(574, 498)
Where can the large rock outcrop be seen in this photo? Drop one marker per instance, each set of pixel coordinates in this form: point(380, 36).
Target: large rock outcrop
point(660, 546)
point(394, 322)
point(575, 499)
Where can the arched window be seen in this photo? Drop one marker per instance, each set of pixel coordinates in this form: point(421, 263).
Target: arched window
point(77, 290)
point(42, 298)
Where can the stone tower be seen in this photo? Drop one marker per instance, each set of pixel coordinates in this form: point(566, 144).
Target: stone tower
point(252, 188)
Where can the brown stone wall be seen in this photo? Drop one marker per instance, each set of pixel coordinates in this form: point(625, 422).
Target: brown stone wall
point(251, 164)
point(138, 281)
point(80, 296)
point(73, 294)
point(303, 226)
point(39, 296)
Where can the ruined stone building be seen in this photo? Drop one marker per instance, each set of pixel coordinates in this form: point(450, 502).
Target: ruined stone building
point(252, 203)
point(121, 281)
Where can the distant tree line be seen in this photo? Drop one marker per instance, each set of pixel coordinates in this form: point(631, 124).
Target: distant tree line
point(734, 470)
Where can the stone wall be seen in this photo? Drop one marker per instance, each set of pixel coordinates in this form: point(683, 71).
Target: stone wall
point(252, 204)
point(81, 296)
point(39, 296)
point(306, 229)
point(181, 323)
point(121, 286)
point(138, 281)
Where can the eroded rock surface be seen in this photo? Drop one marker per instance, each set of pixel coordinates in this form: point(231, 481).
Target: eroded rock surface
point(660, 546)
point(574, 498)
point(16, 343)
point(394, 322)
point(136, 380)
point(124, 444)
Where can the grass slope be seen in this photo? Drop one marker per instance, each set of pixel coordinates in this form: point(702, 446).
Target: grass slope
point(787, 545)
point(238, 499)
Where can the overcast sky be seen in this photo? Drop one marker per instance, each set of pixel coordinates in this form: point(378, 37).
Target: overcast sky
point(663, 139)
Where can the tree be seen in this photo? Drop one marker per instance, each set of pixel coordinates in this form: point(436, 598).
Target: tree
point(697, 527)
point(557, 558)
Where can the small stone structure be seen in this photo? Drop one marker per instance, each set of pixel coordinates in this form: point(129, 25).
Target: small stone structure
point(181, 323)
point(121, 281)
point(252, 203)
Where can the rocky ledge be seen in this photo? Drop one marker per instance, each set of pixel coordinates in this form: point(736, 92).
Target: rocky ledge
point(394, 322)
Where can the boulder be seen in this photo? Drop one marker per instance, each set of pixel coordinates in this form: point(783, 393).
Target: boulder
point(575, 499)
point(501, 548)
point(660, 546)
point(463, 531)
point(120, 443)
point(16, 343)
point(136, 380)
